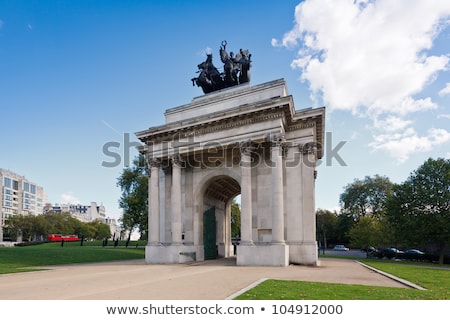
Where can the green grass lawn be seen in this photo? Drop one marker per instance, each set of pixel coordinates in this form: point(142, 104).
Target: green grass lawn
point(20, 259)
point(435, 280)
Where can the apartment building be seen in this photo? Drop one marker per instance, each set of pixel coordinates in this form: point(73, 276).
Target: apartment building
point(84, 213)
point(19, 196)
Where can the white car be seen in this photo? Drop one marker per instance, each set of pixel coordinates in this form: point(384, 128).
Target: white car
point(340, 247)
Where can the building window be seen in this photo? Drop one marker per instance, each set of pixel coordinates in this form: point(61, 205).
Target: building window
point(26, 187)
point(33, 189)
point(15, 185)
point(7, 182)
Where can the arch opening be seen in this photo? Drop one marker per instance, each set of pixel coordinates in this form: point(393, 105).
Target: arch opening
point(221, 224)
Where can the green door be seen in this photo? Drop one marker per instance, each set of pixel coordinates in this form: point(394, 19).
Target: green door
point(209, 233)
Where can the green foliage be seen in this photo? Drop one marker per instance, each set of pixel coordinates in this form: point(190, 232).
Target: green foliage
point(133, 183)
point(343, 225)
point(235, 220)
point(326, 226)
point(366, 232)
point(98, 230)
point(366, 197)
point(34, 227)
point(419, 208)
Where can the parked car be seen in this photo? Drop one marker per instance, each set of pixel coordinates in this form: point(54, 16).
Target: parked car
point(369, 249)
point(390, 253)
point(414, 252)
point(340, 247)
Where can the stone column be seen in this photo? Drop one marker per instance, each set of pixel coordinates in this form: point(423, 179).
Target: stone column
point(154, 207)
point(309, 151)
point(246, 195)
point(277, 191)
point(294, 192)
point(175, 197)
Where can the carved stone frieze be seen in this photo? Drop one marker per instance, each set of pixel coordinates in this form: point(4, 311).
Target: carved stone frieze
point(303, 124)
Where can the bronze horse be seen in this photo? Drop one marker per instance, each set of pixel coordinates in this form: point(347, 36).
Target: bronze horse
point(236, 70)
point(209, 78)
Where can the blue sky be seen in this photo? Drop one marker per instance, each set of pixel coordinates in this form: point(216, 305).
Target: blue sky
point(76, 75)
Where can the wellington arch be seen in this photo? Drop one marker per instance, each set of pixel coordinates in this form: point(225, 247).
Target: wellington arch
point(246, 140)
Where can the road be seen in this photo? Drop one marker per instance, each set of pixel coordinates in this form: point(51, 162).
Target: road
point(354, 253)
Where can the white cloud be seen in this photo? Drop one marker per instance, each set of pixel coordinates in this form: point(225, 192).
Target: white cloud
point(391, 124)
point(447, 116)
point(445, 91)
point(69, 198)
point(402, 145)
point(371, 57)
point(368, 54)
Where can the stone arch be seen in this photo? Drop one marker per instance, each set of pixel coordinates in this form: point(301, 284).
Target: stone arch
point(217, 188)
point(188, 172)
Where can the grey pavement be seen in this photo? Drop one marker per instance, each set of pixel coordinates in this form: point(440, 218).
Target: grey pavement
point(210, 280)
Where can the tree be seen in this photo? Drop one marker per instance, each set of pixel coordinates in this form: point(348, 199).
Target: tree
point(20, 226)
point(343, 226)
point(98, 230)
point(235, 220)
point(63, 223)
point(366, 232)
point(365, 197)
point(31, 227)
point(326, 222)
point(419, 208)
point(134, 199)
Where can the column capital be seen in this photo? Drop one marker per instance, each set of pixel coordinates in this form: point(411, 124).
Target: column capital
point(246, 147)
point(177, 160)
point(154, 162)
point(308, 148)
point(277, 140)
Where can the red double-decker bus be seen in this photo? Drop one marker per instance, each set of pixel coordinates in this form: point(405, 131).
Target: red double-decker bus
point(60, 237)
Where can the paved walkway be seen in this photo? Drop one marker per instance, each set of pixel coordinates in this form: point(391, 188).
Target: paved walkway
point(135, 280)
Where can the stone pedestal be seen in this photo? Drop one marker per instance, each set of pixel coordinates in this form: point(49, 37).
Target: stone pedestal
point(263, 255)
point(170, 254)
point(304, 253)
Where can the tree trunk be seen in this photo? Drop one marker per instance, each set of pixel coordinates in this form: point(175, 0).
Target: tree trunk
point(441, 253)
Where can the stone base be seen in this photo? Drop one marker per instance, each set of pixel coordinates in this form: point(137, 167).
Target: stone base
point(225, 250)
point(304, 253)
point(170, 254)
point(263, 255)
